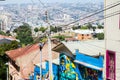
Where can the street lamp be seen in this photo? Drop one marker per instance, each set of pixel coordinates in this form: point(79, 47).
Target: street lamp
point(40, 47)
point(7, 69)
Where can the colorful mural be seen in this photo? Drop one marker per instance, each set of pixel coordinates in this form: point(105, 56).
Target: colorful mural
point(45, 72)
point(67, 69)
point(87, 73)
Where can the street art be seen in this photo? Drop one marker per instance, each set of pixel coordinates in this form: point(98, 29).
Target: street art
point(88, 74)
point(45, 72)
point(67, 69)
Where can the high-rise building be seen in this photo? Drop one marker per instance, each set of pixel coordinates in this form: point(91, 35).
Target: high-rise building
point(4, 22)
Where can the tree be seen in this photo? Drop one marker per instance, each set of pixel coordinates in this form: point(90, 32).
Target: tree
point(84, 27)
point(36, 29)
point(2, 33)
point(100, 36)
point(59, 28)
point(53, 29)
point(6, 34)
point(100, 26)
point(60, 37)
point(89, 25)
point(3, 58)
point(42, 29)
point(24, 34)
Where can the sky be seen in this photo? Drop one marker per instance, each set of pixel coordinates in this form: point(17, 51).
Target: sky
point(48, 1)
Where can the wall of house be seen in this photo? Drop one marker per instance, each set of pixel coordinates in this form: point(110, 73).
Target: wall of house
point(84, 36)
point(67, 69)
point(31, 57)
point(14, 74)
point(26, 63)
point(112, 35)
point(45, 72)
point(70, 70)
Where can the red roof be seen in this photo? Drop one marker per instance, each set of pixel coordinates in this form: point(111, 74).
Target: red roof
point(13, 54)
point(18, 53)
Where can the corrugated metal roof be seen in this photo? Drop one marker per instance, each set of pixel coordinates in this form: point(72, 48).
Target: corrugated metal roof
point(91, 47)
point(88, 31)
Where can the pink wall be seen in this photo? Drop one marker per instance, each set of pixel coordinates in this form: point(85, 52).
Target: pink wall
point(110, 65)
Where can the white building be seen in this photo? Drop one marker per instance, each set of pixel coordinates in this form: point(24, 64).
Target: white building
point(112, 37)
point(4, 22)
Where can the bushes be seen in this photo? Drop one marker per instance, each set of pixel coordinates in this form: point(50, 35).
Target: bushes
point(100, 36)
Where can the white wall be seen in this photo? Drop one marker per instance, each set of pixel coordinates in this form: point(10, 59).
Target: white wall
point(112, 33)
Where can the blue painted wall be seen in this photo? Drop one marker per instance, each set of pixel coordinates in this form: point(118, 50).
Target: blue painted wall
point(45, 71)
point(69, 70)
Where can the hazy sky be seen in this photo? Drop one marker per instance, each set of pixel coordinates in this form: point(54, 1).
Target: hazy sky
point(48, 1)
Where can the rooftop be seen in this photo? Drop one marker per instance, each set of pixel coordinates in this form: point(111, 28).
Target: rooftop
point(14, 54)
point(90, 47)
point(88, 31)
point(7, 37)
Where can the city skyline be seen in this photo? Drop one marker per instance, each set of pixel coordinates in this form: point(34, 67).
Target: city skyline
point(48, 1)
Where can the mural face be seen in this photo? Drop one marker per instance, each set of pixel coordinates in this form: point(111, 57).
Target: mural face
point(67, 69)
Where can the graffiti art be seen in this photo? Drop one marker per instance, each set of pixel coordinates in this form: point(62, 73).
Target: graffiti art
point(67, 69)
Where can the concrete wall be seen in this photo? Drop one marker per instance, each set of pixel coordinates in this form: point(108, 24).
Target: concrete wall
point(112, 34)
point(27, 61)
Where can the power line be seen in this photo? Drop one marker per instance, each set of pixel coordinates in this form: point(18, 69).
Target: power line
point(97, 46)
point(30, 60)
point(106, 16)
point(115, 13)
point(32, 2)
point(94, 13)
point(42, 3)
point(77, 21)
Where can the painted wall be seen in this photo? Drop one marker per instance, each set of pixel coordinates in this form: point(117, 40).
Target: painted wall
point(67, 69)
point(112, 34)
point(89, 74)
point(45, 74)
point(70, 70)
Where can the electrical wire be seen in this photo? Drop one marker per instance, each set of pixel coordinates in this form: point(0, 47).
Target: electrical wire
point(79, 19)
point(30, 60)
point(93, 14)
point(42, 3)
point(106, 16)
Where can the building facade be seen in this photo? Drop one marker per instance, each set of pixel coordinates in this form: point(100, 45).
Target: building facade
point(22, 60)
point(112, 37)
point(76, 64)
point(4, 21)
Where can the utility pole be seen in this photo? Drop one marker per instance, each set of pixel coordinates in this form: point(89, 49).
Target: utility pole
point(49, 48)
point(40, 46)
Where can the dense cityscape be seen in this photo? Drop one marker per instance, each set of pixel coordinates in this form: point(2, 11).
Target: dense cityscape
point(59, 40)
point(60, 13)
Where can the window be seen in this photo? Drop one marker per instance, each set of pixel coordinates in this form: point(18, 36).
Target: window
point(87, 34)
point(82, 38)
point(110, 65)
